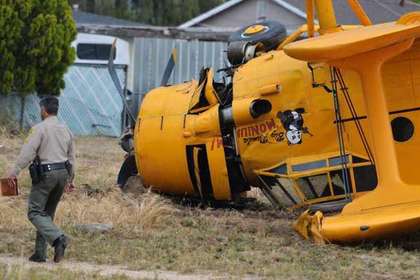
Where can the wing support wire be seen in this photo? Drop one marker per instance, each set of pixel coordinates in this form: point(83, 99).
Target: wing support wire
point(340, 134)
point(337, 79)
point(349, 102)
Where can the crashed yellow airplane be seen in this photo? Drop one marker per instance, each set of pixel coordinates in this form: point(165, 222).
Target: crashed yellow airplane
point(326, 123)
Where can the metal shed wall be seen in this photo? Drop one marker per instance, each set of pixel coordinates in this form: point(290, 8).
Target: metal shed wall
point(89, 104)
point(152, 54)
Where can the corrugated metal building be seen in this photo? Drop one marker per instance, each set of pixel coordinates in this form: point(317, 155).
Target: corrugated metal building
point(89, 105)
point(152, 54)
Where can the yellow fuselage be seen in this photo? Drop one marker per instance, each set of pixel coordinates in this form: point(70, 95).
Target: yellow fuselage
point(169, 138)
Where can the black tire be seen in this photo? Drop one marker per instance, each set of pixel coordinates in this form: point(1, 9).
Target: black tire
point(271, 34)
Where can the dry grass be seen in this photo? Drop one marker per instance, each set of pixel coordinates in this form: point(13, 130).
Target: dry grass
point(13, 215)
point(122, 211)
point(153, 232)
point(95, 201)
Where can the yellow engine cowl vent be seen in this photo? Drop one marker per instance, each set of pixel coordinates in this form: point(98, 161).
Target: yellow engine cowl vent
point(247, 110)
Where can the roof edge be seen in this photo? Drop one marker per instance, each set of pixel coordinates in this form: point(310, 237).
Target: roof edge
point(193, 33)
point(216, 10)
point(291, 8)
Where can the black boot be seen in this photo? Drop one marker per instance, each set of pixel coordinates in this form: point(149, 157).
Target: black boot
point(60, 245)
point(36, 258)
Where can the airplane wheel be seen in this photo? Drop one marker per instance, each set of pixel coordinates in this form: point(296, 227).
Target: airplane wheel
point(269, 33)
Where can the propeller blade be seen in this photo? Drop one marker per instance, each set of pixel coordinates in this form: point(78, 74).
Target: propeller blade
point(114, 76)
point(128, 169)
point(169, 68)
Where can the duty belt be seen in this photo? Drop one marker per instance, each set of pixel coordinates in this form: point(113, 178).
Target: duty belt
point(53, 166)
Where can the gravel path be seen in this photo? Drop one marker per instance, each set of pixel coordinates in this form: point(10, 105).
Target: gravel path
point(108, 271)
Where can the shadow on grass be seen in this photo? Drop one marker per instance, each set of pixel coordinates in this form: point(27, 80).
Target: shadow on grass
point(406, 242)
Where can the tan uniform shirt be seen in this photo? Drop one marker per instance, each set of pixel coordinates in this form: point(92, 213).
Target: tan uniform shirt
point(51, 140)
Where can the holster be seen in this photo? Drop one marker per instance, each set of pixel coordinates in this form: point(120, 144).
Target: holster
point(35, 171)
point(69, 168)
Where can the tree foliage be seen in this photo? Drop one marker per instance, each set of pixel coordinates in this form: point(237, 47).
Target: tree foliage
point(156, 12)
point(35, 50)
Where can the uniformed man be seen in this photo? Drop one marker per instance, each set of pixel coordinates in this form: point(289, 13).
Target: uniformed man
point(53, 144)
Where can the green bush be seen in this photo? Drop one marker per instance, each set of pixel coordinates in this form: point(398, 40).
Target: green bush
point(35, 50)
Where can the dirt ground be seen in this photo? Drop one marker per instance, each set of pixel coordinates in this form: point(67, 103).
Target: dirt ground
point(153, 233)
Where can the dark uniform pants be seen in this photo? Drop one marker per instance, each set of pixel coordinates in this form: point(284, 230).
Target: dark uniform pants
point(43, 201)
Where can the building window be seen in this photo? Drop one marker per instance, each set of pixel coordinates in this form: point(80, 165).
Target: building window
point(94, 51)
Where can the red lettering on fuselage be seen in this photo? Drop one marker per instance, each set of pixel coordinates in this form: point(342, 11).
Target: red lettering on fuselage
point(243, 132)
point(255, 130)
point(216, 143)
point(263, 128)
point(219, 142)
point(271, 124)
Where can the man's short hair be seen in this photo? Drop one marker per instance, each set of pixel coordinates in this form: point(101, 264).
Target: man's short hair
point(50, 104)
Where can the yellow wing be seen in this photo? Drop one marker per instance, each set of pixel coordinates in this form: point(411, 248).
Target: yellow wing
point(339, 45)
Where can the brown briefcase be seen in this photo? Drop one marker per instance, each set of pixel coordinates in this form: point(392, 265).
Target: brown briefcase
point(8, 189)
